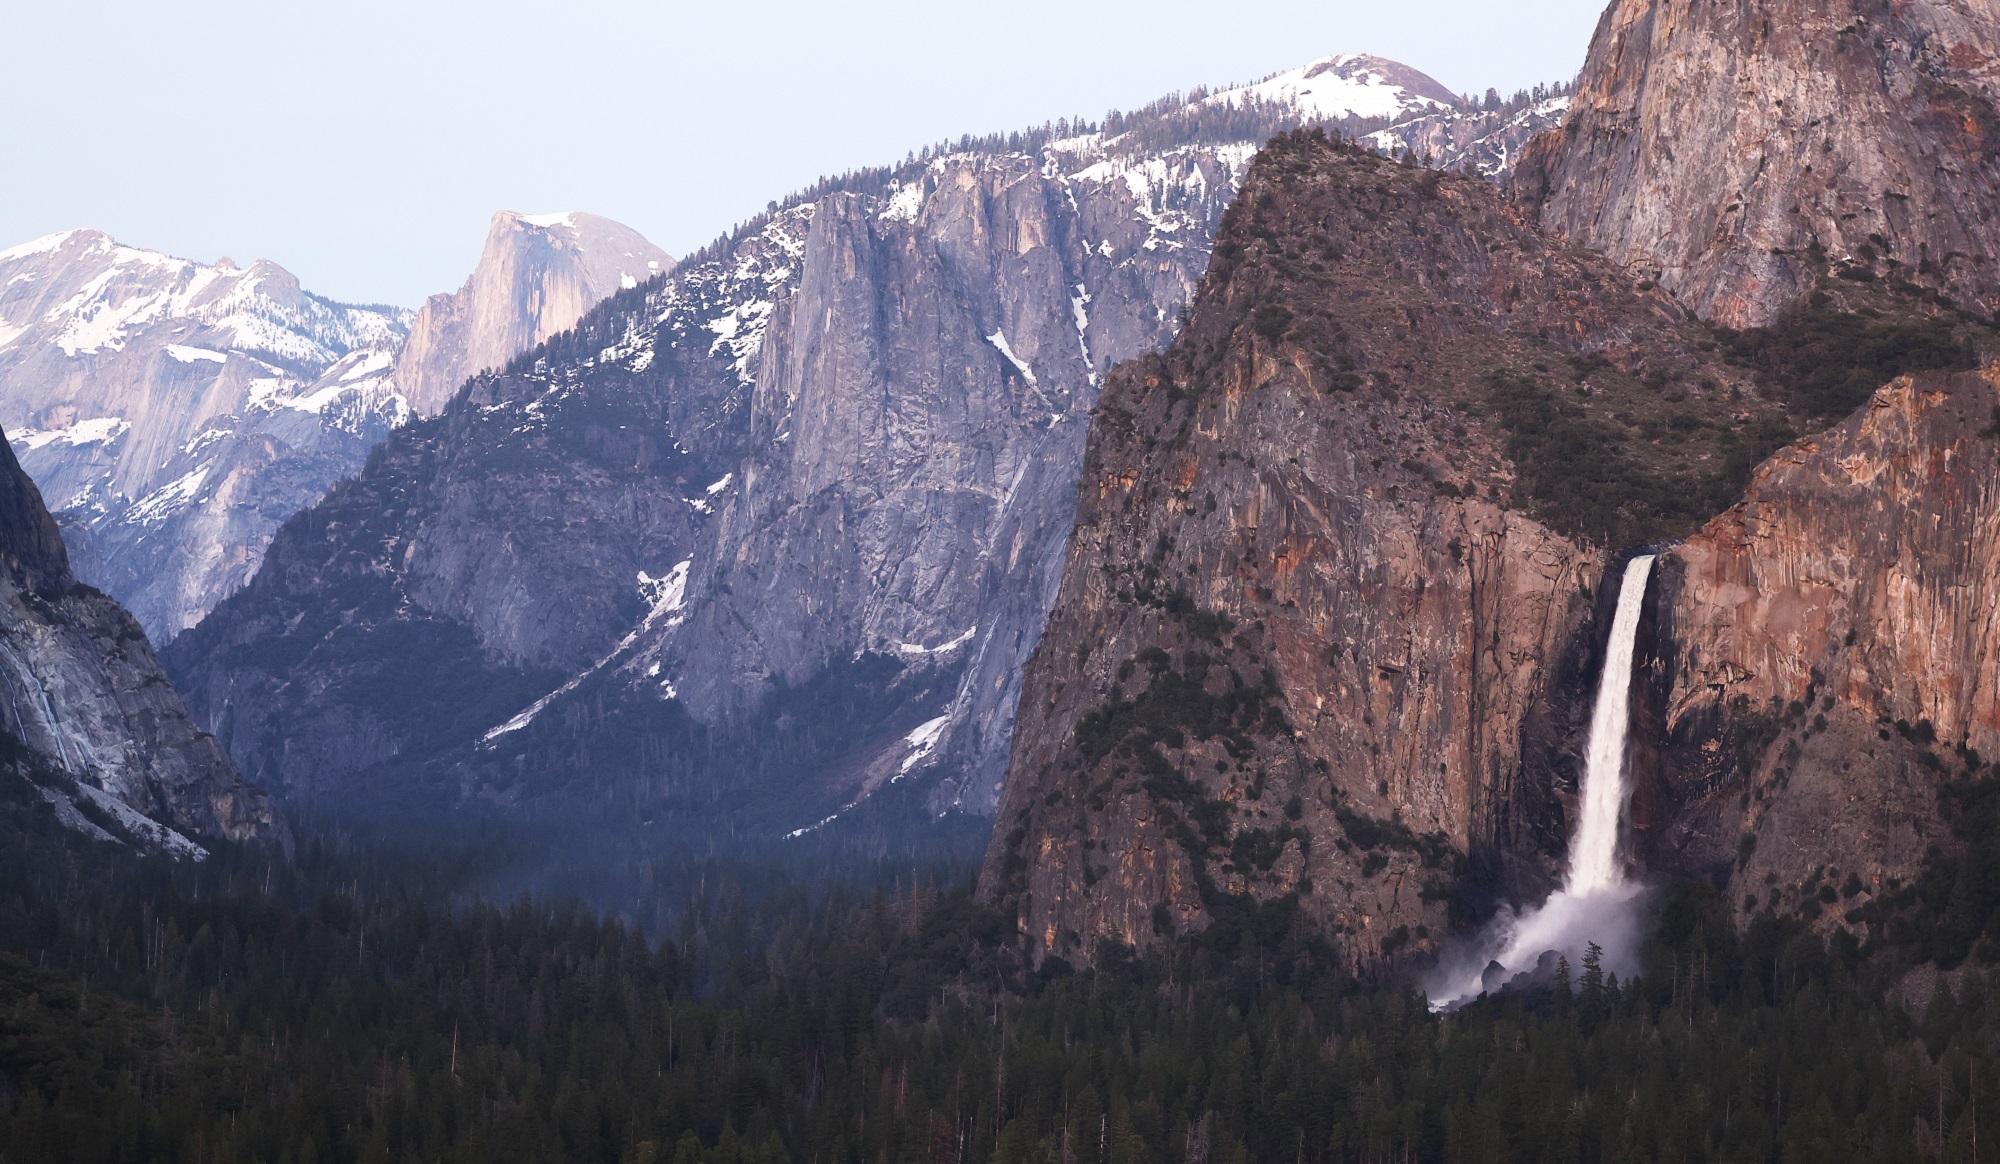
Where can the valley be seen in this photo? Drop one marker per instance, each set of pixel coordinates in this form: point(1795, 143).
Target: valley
point(1316, 619)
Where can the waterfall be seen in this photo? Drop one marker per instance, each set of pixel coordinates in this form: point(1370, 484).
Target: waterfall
point(1593, 854)
point(1596, 902)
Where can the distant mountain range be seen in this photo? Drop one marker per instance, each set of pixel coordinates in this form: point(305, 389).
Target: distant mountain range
point(177, 413)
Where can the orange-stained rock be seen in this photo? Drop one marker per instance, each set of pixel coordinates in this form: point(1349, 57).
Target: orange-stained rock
point(1857, 585)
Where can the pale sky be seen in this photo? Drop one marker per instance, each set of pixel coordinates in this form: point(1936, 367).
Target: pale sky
point(364, 143)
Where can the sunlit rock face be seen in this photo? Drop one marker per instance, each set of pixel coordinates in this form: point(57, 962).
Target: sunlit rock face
point(1330, 617)
point(1827, 649)
point(537, 275)
point(1735, 152)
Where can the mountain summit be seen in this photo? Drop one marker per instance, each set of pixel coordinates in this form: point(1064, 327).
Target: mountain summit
point(175, 412)
point(536, 277)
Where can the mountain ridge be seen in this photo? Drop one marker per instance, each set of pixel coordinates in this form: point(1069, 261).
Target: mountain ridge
point(828, 521)
point(178, 412)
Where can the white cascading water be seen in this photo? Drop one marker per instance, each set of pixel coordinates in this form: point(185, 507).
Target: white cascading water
point(1593, 855)
point(1595, 902)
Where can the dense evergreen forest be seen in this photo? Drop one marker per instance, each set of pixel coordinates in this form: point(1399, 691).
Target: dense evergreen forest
point(342, 1006)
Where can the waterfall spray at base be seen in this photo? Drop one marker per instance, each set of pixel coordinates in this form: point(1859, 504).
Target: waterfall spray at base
point(1596, 902)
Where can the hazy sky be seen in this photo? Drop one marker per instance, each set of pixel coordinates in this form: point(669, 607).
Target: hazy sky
point(364, 143)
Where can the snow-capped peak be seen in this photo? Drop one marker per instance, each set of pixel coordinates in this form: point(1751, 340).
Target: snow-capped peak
point(1350, 85)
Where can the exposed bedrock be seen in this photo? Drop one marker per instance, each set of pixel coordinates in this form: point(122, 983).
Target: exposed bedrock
point(1734, 151)
point(1824, 651)
point(1330, 617)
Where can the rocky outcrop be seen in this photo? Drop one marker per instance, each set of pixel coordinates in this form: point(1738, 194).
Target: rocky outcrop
point(86, 714)
point(1734, 151)
point(176, 413)
point(1329, 609)
point(1828, 649)
point(536, 276)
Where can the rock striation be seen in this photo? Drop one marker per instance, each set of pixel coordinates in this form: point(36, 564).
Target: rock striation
point(176, 412)
point(536, 276)
point(1733, 152)
point(87, 715)
point(1827, 651)
point(1328, 615)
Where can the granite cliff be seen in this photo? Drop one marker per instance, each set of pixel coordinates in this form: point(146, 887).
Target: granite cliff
point(1826, 658)
point(536, 276)
point(1331, 605)
point(1311, 660)
point(1736, 152)
point(774, 534)
point(88, 718)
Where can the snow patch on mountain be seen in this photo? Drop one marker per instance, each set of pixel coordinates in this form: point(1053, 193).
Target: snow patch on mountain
point(999, 340)
point(923, 741)
point(1339, 87)
point(188, 355)
point(97, 430)
point(149, 832)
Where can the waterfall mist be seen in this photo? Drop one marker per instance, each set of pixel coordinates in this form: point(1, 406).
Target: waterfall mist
point(1597, 902)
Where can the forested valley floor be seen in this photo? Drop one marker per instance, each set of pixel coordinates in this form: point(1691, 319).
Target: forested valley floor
point(346, 1006)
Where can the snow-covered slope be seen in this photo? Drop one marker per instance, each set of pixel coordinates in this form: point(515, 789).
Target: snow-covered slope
point(177, 411)
point(1349, 86)
point(537, 276)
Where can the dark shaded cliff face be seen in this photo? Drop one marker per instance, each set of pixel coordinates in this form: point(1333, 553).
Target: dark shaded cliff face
point(1326, 625)
point(1733, 150)
point(1828, 650)
point(87, 715)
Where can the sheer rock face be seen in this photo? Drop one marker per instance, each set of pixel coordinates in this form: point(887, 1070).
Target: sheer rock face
point(108, 741)
point(852, 434)
point(176, 412)
point(1721, 147)
point(1855, 586)
point(1311, 636)
point(916, 427)
point(537, 276)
